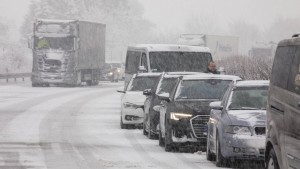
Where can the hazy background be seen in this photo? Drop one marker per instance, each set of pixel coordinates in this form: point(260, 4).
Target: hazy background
point(152, 21)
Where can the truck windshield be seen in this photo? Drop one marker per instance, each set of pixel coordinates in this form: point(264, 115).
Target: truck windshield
point(63, 43)
point(179, 61)
point(202, 89)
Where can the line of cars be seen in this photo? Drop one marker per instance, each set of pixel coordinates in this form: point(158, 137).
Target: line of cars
point(225, 116)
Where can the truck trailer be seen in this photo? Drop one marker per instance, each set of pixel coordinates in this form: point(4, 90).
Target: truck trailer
point(67, 52)
point(220, 46)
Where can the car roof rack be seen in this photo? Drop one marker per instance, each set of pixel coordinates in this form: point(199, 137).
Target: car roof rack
point(296, 35)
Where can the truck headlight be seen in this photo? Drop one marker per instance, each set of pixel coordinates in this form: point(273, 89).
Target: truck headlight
point(110, 73)
point(131, 105)
point(242, 130)
point(179, 116)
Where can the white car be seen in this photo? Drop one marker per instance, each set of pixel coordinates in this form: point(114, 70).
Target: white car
point(132, 101)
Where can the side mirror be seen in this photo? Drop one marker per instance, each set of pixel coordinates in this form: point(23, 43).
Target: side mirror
point(216, 105)
point(142, 69)
point(147, 92)
point(121, 91)
point(164, 96)
point(156, 108)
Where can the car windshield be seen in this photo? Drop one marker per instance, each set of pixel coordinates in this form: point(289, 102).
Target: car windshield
point(202, 89)
point(179, 61)
point(248, 98)
point(166, 86)
point(142, 83)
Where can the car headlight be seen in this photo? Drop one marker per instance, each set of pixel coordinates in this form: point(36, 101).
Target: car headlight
point(131, 105)
point(242, 130)
point(110, 73)
point(179, 116)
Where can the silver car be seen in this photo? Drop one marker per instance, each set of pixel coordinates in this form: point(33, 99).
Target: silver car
point(237, 124)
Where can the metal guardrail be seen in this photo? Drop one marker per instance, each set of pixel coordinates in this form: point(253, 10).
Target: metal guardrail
point(14, 76)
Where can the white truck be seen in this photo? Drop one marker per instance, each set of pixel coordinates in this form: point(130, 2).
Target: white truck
point(220, 46)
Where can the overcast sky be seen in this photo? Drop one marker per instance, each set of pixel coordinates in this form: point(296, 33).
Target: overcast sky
point(172, 14)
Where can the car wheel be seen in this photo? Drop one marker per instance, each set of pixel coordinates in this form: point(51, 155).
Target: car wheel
point(168, 141)
point(272, 162)
point(123, 126)
point(220, 160)
point(150, 134)
point(144, 129)
point(160, 139)
point(209, 156)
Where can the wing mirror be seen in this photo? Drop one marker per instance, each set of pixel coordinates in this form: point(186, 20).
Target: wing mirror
point(164, 96)
point(147, 92)
point(216, 105)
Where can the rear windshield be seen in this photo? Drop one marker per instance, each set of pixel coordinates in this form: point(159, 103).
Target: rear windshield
point(248, 98)
point(202, 89)
point(166, 85)
point(142, 83)
point(179, 61)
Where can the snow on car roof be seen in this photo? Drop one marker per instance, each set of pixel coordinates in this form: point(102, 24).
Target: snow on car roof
point(147, 74)
point(169, 47)
point(177, 74)
point(211, 76)
point(252, 83)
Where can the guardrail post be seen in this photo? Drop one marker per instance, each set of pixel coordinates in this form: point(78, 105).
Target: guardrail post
point(15, 79)
point(23, 79)
point(7, 80)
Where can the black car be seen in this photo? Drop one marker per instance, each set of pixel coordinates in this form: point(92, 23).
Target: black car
point(184, 112)
point(164, 85)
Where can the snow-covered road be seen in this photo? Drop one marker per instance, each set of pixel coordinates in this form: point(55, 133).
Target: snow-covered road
point(77, 128)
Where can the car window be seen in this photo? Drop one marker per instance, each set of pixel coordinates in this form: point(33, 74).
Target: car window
point(142, 83)
point(166, 85)
point(132, 61)
point(281, 67)
point(249, 98)
point(202, 89)
point(294, 78)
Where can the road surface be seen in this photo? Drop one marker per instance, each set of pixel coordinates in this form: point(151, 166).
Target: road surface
point(77, 128)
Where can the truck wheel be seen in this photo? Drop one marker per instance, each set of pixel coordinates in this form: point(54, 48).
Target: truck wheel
point(89, 83)
point(272, 162)
point(35, 85)
point(220, 160)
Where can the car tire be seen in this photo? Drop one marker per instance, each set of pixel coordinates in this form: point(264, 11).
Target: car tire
point(209, 156)
point(168, 144)
point(144, 129)
point(160, 139)
point(150, 134)
point(123, 126)
point(272, 162)
point(220, 160)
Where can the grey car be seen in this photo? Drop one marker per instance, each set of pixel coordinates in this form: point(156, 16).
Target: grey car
point(236, 128)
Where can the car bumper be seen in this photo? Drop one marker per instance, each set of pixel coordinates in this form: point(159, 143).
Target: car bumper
point(243, 147)
point(132, 116)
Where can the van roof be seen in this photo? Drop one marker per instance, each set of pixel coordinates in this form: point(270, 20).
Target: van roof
point(168, 47)
point(290, 42)
point(211, 76)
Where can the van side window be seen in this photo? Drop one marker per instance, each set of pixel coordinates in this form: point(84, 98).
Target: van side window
point(281, 67)
point(132, 62)
point(144, 61)
point(294, 78)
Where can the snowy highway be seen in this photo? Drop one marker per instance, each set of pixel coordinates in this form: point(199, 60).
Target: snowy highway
point(77, 128)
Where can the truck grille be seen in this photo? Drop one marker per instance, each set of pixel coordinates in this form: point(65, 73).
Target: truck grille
point(199, 125)
point(260, 130)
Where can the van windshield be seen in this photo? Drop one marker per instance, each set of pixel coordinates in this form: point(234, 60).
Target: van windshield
point(179, 61)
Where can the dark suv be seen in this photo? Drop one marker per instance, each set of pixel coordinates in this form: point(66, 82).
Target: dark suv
point(283, 111)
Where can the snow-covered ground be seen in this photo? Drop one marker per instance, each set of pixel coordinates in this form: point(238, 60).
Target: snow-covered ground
point(77, 128)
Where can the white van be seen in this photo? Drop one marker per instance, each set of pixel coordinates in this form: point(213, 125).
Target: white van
point(165, 58)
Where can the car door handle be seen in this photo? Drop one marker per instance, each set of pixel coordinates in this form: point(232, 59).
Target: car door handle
point(277, 109)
